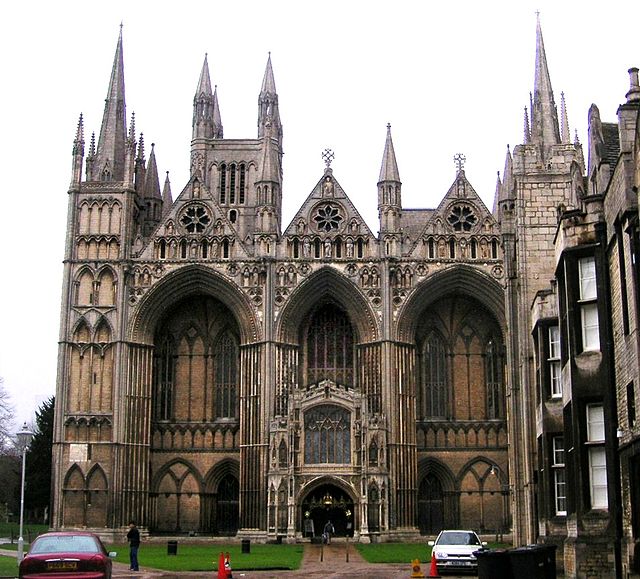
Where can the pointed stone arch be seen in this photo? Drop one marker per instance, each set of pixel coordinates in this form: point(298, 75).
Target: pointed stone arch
point(73, 496)
point(97, 497)
point(106, 281)
point(437, 499)
point(186, 282)
point(458, 279)
point(329, 285)
point(482, 485)
point(84, 282)
point(220, 508)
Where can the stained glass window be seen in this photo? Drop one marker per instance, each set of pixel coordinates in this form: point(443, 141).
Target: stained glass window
point(327, 430)
point(434, 377)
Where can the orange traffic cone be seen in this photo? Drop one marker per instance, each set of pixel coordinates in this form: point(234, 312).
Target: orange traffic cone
point(433, 571)
point(227, 567)
point(222, 572)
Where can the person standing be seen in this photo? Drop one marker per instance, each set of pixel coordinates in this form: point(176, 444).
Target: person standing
point(328, 531)
point(133, 536)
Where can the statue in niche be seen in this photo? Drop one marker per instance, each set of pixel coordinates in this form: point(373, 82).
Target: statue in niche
point(281, 276)
point(375, 278)
point(349, 247)
point(327, 187)
point(327, 247)
point(306, 247)
point(291, 276)
point(246, 275)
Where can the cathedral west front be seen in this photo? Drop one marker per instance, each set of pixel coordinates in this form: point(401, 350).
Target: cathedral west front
point(224, 373)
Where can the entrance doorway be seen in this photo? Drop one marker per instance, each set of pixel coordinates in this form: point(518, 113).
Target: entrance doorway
point(327, 503)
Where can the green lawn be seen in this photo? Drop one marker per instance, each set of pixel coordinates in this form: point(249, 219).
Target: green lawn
point(8, 567)
point(199, 557)
point(394, 552)
point(12, 531)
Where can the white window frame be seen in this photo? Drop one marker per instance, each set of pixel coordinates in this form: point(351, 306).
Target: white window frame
point(587, 275)
point(597, 457)
point(559, 476)
point(589, 321)
point(555, 380)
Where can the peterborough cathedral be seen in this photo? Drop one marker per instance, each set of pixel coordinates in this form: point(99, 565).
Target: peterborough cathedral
point(222, 373)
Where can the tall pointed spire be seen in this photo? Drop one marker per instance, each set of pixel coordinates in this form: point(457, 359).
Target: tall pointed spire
point(527, 127)
point(78, 153)
point(167, 199)
point(218, 131)
point(268, 111)
point(205, 108)
point(152, 182)
point(110, 156)
point(389, 169)
point(565, 132)
point(544, 115)
point(389, 189)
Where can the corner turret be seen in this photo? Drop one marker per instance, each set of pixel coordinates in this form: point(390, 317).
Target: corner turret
point(268, 111)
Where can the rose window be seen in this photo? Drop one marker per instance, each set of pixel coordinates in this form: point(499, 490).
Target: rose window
point(328, 217)
point(462, 218)
point(195, 219)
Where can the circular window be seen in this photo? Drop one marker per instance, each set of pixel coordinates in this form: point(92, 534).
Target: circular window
point(328, 217)
point(195, 219)
point(462, 218)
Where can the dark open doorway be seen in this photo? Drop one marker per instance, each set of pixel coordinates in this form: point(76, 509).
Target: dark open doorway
point(327, 503)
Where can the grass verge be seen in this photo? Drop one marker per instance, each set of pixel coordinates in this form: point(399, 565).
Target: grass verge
point(198, 557)
point(8, 566)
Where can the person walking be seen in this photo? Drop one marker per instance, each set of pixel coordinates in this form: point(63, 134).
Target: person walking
point(327, 532)
point(133, 536)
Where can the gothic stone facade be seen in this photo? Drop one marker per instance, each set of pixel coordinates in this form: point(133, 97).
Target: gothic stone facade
point(223, 375)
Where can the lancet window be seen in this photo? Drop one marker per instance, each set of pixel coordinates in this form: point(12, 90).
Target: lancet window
point(330, 345)
point(434, 377)
point(493, 379)
point(226, 376)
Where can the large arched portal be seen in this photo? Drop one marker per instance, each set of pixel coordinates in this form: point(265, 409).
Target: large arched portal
point(195, 412)
point(324, 503)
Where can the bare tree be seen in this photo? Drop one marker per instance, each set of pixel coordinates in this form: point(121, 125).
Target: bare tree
point(6, 419)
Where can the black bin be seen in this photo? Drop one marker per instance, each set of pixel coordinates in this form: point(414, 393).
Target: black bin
point(246, 545)
point(494, 564)
point(534, 562)
point(172, 547)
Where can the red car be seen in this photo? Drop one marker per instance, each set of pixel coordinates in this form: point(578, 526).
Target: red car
point(67, 555)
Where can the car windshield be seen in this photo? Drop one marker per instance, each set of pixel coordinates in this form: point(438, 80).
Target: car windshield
point(64, 544)
point(458, 538)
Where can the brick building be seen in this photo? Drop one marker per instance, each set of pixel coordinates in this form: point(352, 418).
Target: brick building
point(223, 373)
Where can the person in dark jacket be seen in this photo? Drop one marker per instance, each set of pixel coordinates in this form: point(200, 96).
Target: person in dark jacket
point(133, 536)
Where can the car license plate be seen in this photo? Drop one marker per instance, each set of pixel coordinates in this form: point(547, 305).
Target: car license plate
point(62, 565)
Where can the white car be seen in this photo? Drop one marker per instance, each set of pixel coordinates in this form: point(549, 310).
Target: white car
point(455, 550)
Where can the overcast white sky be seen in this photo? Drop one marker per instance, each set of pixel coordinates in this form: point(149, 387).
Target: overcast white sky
point(450, 77)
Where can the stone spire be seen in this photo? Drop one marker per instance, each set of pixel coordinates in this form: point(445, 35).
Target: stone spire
point(389, 189)
point(205, 108)
point(218, 131)
point(565, 132)
point(110, 156)
point(527, 127)
point(268, 111)
point(152, 182)
point(544, 115)
point(167, 199)
point(78, 153)
point(389, 169)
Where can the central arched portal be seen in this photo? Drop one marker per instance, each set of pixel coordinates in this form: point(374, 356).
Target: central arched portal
point(327, 502)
